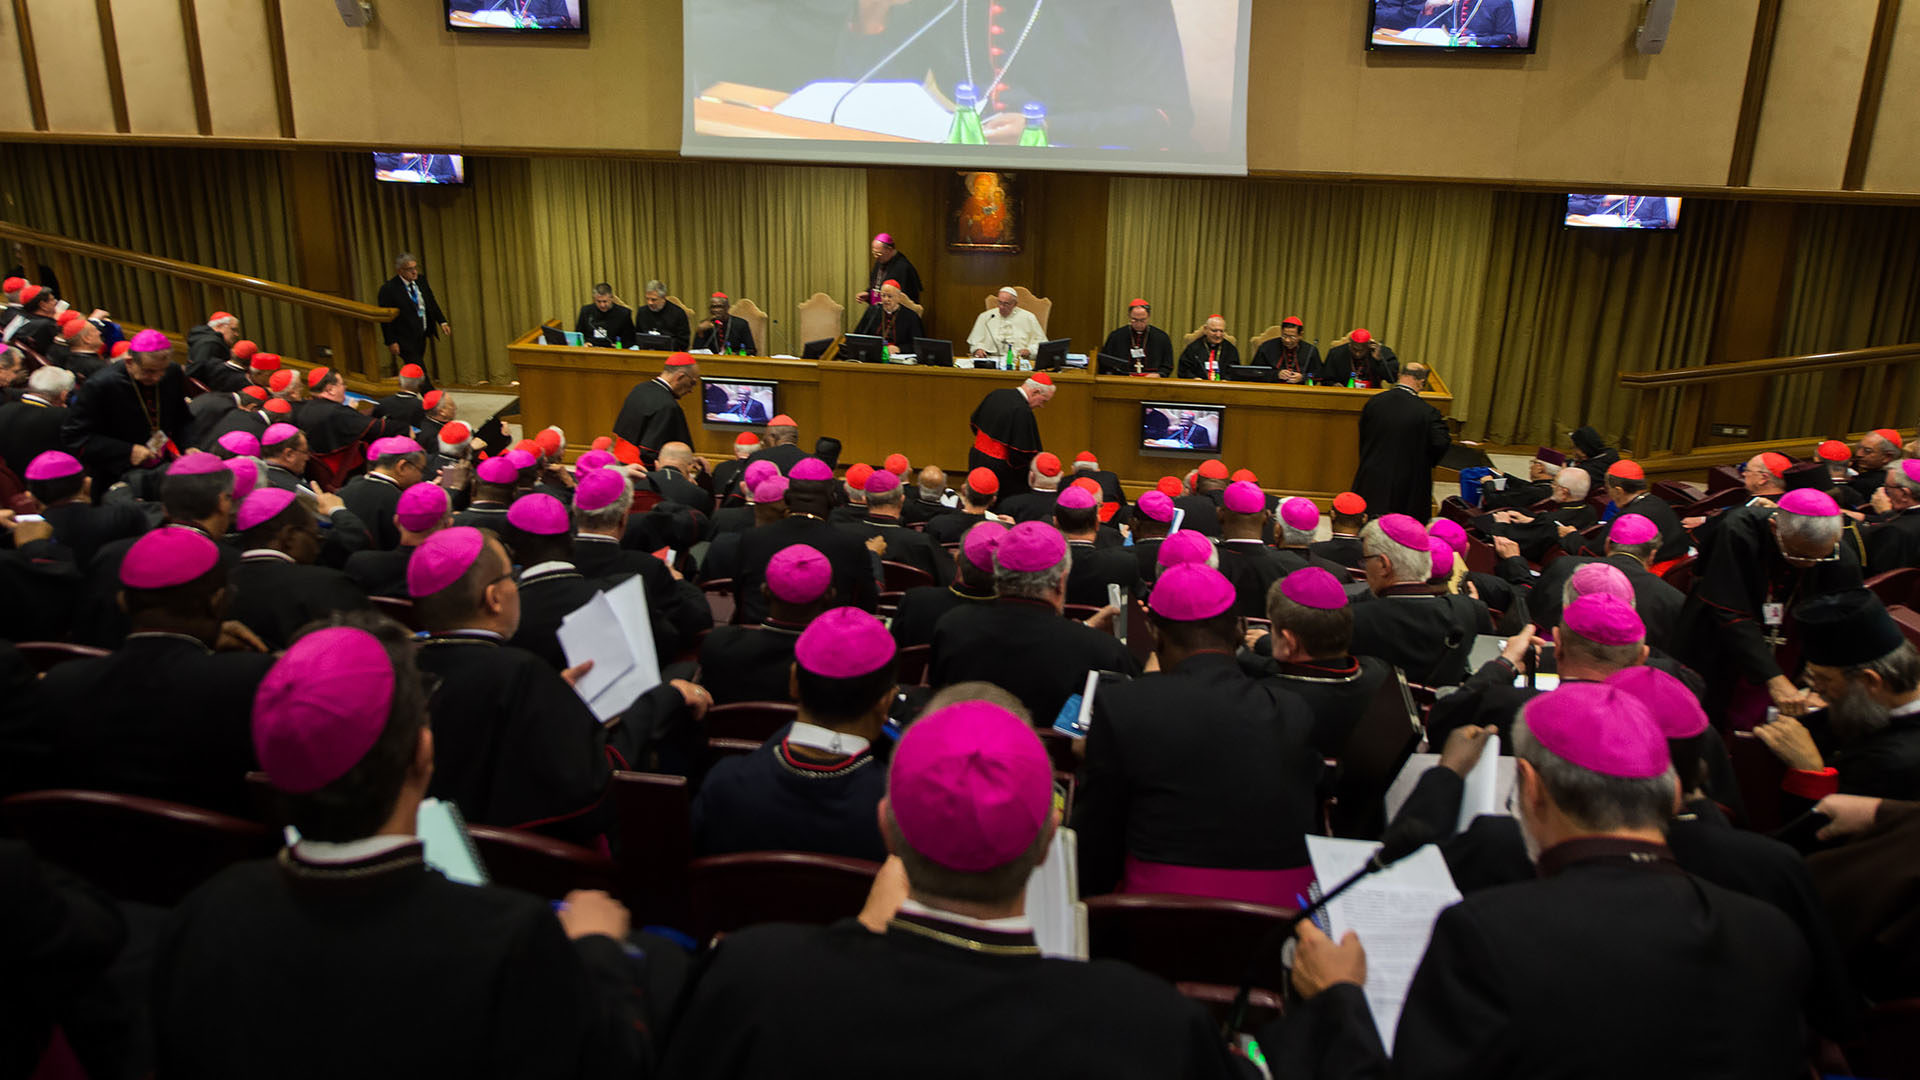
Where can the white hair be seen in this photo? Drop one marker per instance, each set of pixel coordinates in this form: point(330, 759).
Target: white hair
point(53, 381)
point(1035, 386)
point(656, 285)
point(1407, 564)
point(403, 259)
point(224, 320)
point(1808, 531)
point(1576, 480)
point(1289, 535)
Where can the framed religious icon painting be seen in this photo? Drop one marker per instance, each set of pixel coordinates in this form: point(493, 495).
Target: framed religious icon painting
point(985, 212)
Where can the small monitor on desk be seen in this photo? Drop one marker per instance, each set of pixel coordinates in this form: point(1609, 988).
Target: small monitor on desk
point(552, 335)
point(1180, 427)
point(933, 352)
point(1051, 355)
point(738, 402)
point(1113, 365)
point(814, 350)
point(1252, 373)
point(863, 349)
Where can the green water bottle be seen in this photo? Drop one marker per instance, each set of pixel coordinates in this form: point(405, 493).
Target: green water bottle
point(886, 353)
point(1036, 130)
point(966, 129)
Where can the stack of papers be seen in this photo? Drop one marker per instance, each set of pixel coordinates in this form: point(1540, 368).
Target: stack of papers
point(1053, 901)
point(901, 109)
point(615, 631)
point(1392, 911)
point(1489, 785)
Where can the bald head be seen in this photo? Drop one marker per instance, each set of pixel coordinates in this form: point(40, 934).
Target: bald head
point(933, 483)
point(1415, 375)
point(676, 455)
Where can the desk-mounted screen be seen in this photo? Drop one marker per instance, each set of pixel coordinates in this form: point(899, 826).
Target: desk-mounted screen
point(517, 16)
point(1133, 86)
point(1463, 26)
point(1176, 427)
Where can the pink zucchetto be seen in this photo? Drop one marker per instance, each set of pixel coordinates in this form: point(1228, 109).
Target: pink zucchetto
point(844, 643)
point(539, 514)
point(246, 477)
point(1311, 586)
point(810, 468)
point(150, 340)
point(770, 489)
point(441, 558)
point(167, 557)
point(1300, 514)
point(52, 465)
point(521, 460)
point(1190, 592)
point(1604, 620)
point(1449, 530)
point(264, 504)
point(970, 787)
point(1629, 530)
point(1404, 531)
point(1601, 579)
point(798, 574)
point(981, 542)
point(1673, 707)
point(1030, 547)
point(1808, 502)
point(1243, 498)
point(393, 446)
point(881, 482)
point(599, 489)
point(277, 434)
point(497, 470)
point(591, 460)
point(1074, 497)
point(1599, 728)
point(197, 463)
point(1441, 554)
point(422, 506)
point(321, 707)
point(240, 444)
point(1156, 506)
point(757, 471)
point(1185, 546)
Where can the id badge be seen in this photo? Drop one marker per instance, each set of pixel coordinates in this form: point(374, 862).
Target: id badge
point(1773, 614)
point(1138, 354)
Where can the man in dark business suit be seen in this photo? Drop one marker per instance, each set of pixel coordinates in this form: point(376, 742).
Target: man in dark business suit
point(417, 314)
point(1402, 438)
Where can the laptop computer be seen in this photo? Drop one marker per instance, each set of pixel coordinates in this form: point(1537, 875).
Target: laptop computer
point(813, 350)
point(552, 335)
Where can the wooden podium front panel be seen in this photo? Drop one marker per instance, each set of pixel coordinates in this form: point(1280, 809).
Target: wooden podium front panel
point(1298, 440)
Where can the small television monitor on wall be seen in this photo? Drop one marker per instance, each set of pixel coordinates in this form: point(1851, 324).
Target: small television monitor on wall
point(1175, 427)
point(1623, 212)
point(1466, 26)
point(416, 168)
point(738, 402)
point(518, 16)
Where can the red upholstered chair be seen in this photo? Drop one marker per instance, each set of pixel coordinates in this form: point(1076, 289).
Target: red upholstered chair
point(719, 600)
point(911, 665)
point(398, 609)
point(655, 815)
point(1757, 773)
point(720, 748)
point(1721, 477)
point(728, 892)
point(1679, 573)
point(1909, 621)
point(1723, 499)
point(1191, 939)
point(1897, 586)
point(754, 720)
point(899, 577)
point(43, 656)
point(145, 850)
point(888, 604)
point(539, 864)
point(1480, 556)
point(333, 469)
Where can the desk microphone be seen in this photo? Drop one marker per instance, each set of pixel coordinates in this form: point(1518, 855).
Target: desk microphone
point(832, 117)
point(1404, 837)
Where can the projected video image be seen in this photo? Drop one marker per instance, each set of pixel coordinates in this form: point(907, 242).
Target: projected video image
point(1454, 24)
point(517, 16)
point(420, 168)
point(737, 401)
point(1622, 212)
point(1151, 84)
point(1168, 425)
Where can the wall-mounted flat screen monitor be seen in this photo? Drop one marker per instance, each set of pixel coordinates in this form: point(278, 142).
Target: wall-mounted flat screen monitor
point(1180, 427)
point(739, 402)
point(1136, 86)
point(1623, 212)
point(518, 16)
point(413, 168)
point(1467, 26)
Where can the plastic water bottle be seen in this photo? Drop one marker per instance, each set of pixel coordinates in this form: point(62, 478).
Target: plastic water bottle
point(1036, 130)
point(886, 353)
point(966, 129)
point(1011, 365)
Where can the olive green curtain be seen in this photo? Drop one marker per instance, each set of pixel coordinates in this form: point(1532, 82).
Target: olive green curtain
point(218, 208)
point(526, 241)
point(1855, 284)
point(1527, 322)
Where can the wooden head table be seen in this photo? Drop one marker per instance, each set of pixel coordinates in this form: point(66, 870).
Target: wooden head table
point(1298, 440)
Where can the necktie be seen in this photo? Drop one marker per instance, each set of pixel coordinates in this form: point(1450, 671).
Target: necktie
point(419, 305)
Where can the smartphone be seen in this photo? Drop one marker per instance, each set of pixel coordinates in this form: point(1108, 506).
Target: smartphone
point(27, 519)
point(1179, 518)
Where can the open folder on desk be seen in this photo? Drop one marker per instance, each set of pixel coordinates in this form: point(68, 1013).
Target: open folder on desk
point(615, 631)
point(1392, 912)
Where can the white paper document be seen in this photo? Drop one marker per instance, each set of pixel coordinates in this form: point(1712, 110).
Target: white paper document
point(1392, 911)
point(614, 631)
point(902, 109)
point(1471, 804)
point(1053, 901)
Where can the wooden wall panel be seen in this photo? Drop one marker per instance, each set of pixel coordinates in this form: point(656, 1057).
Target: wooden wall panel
point(73, 69)
point(16, 114)
point(1812, 91)
point(152, 46)
point(239, 67)
point(1894, 164)
point(392, 81)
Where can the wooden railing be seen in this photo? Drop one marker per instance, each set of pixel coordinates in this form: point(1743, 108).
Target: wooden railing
point(1878, 374)
point(339, 332)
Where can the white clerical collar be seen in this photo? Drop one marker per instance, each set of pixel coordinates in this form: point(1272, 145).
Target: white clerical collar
point(1908, 709)
point(602, 537)
point(352, 851)
point(548, 567)
point(826, 740)
point(275, 553)
point(1012, 924)
point(383, 478)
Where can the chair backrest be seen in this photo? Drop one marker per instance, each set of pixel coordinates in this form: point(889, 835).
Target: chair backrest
point(1757, 772)
point(900, 577)
point(1264, 336)
point(1041, 307)
point(821, 316)
point(1190, 938)
point(757, 322)
point(332, 469)
point(1201, 329)
point(43, 656)
point(756, 720)
point(1908, 620)
point(1900, 586)
point(1679, 573)
point(654, 812)
point(145, 850)
point(1480, 556)
point(728, 892)
point(910, 667)
point(539, 864)
point(1383, 736)
point(719, 600)
point(692, 318)
point(399, 609)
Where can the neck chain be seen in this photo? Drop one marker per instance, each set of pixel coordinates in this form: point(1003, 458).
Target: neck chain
point(999, 70)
